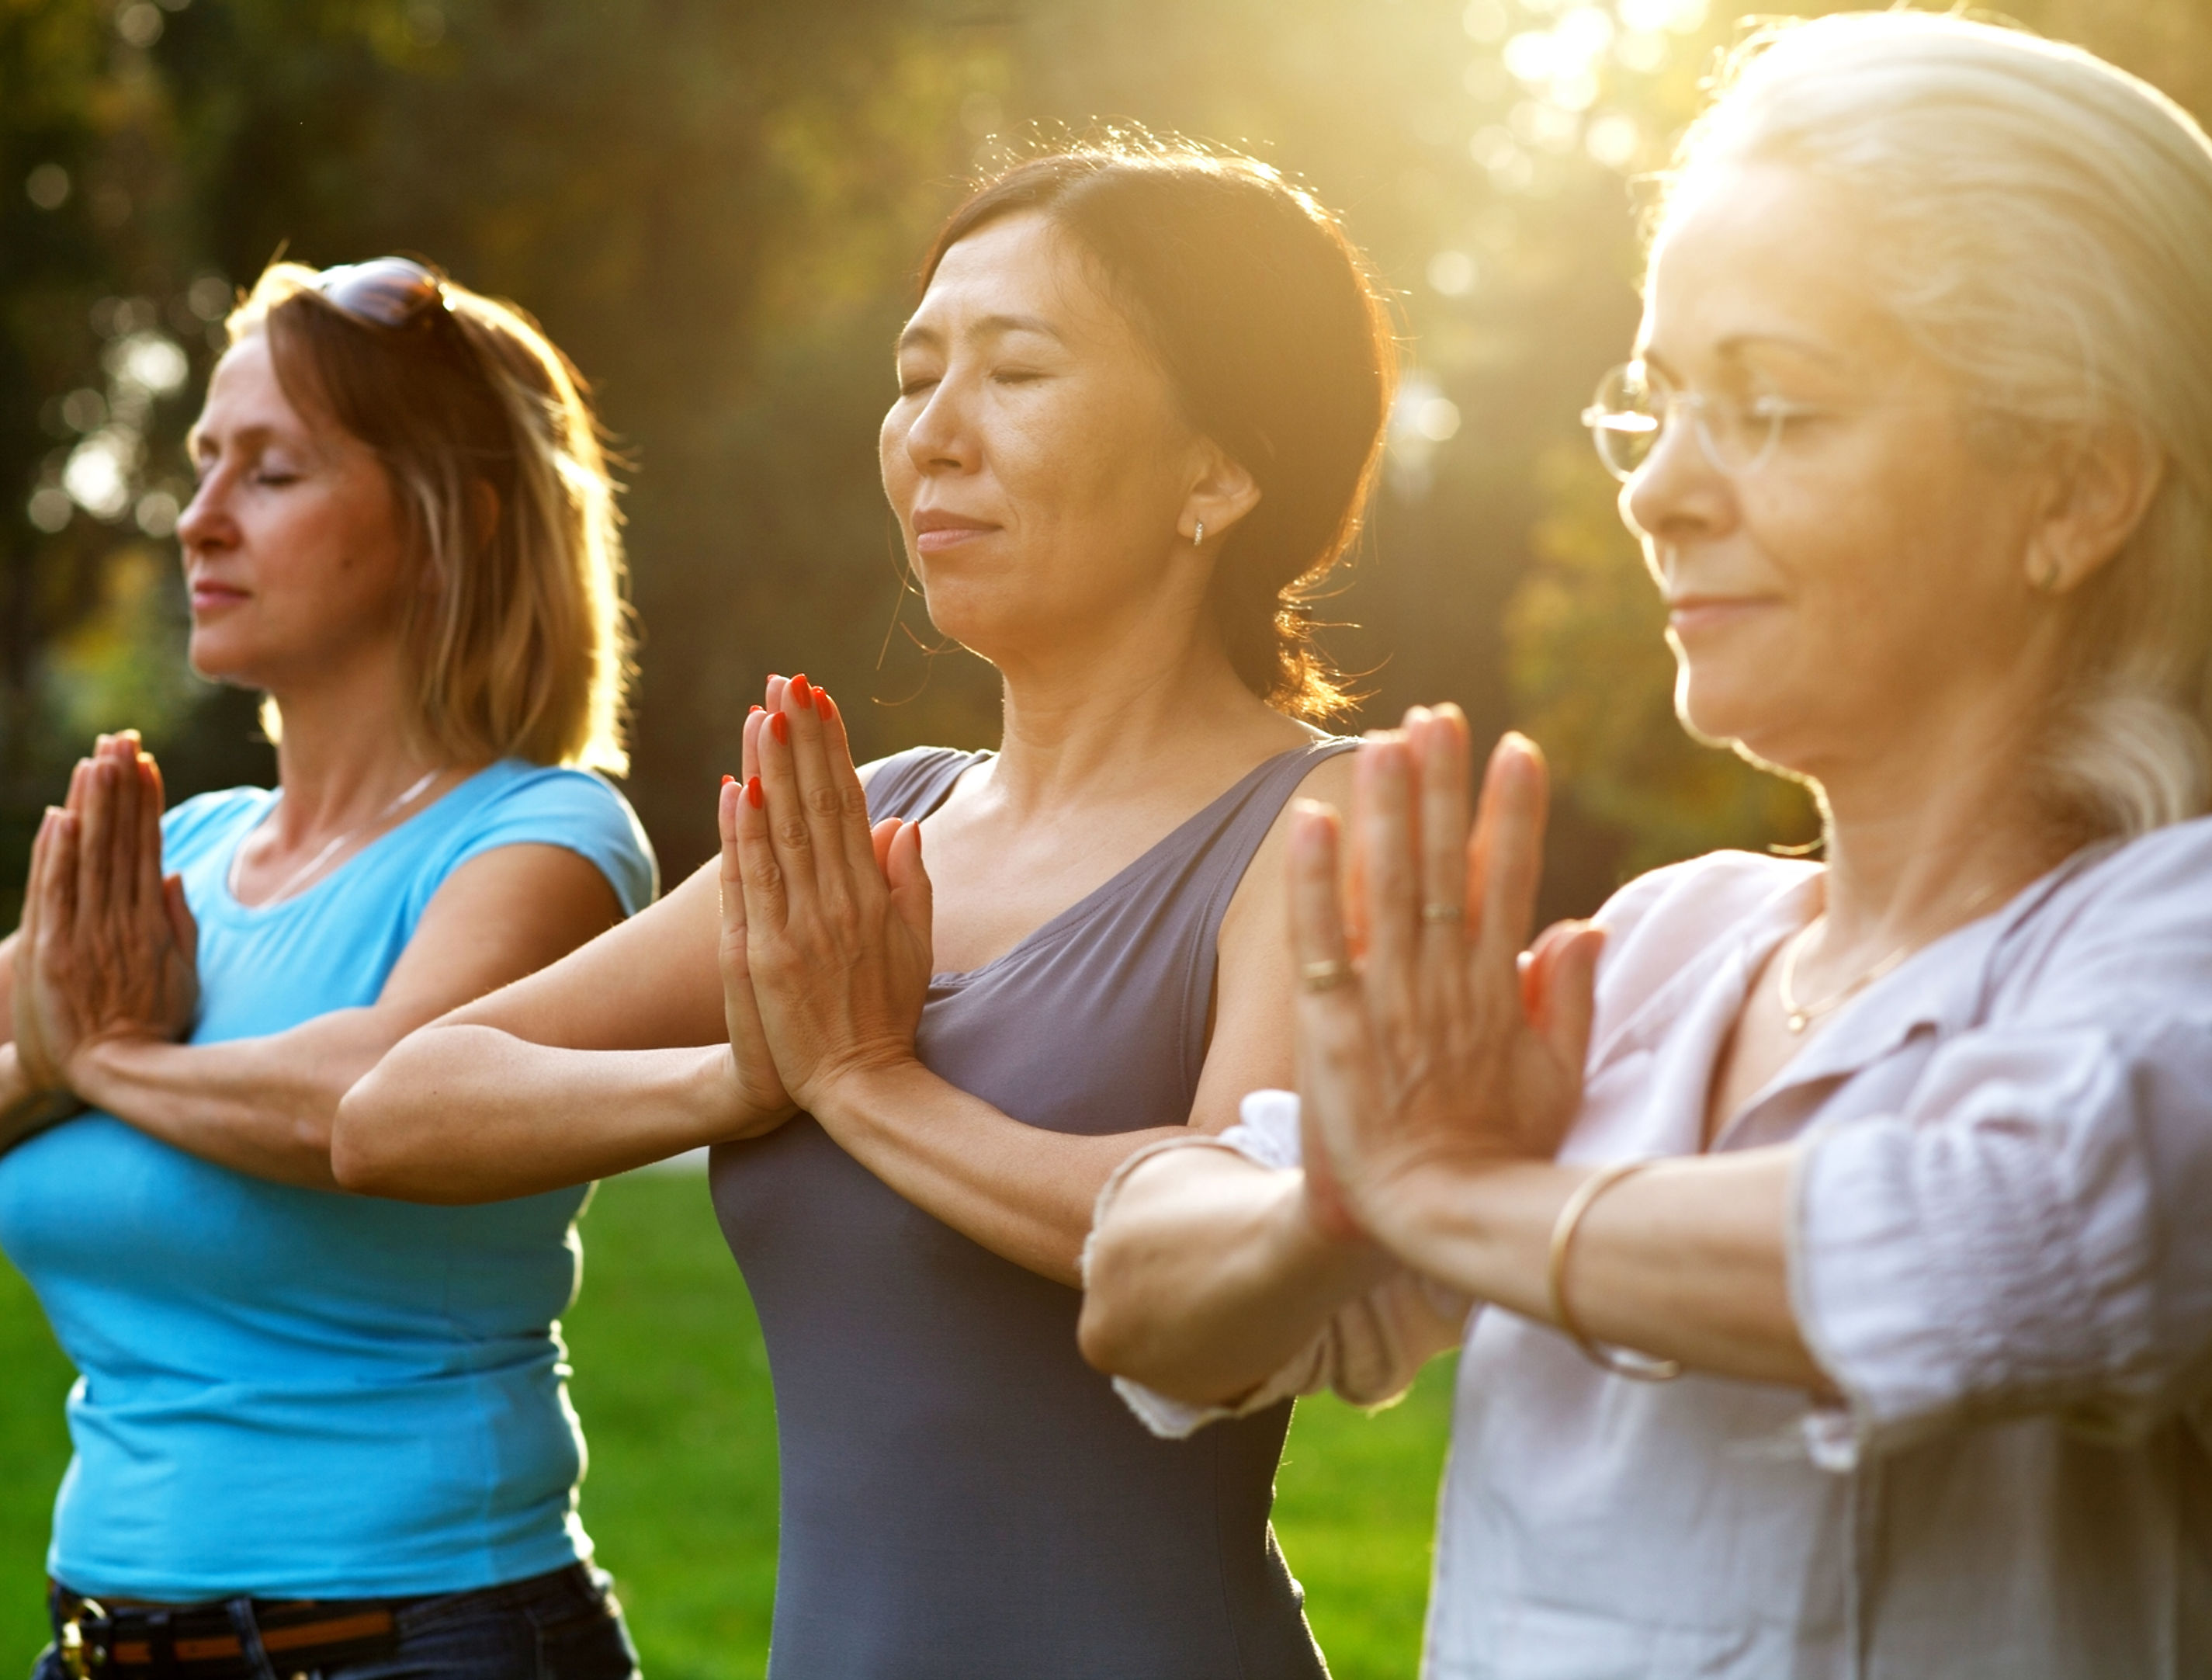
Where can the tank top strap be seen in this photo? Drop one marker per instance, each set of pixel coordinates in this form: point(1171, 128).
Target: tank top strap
point(910, 785)
point(1221, 843)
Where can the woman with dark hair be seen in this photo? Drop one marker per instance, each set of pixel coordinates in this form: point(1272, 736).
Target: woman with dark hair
point(1141, 403)
point(314, 1432)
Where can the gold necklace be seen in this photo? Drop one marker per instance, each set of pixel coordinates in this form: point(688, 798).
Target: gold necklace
point(1799, 1016)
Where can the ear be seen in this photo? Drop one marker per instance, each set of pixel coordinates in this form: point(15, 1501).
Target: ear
point(2098, 487)
point(1221, 493)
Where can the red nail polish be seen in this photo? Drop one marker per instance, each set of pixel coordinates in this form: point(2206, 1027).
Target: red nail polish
point(753, 793)
point(728, 780)
point(824, 704)
point(801, 692)
point(756, 708)
point(777, 728)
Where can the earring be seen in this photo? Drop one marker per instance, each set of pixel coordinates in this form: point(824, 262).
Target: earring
point(1199, 540)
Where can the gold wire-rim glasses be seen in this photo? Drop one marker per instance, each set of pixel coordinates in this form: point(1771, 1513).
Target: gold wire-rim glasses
point(1635, 406)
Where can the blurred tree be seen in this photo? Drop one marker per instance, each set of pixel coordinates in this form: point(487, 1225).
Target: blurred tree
point(86, 199)
point(1592, 680)
point(715, 206)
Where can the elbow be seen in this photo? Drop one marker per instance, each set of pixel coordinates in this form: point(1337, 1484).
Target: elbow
point(1102, 1339)
point(360, 1159)
point(1108, 1333)
point(375, 1149)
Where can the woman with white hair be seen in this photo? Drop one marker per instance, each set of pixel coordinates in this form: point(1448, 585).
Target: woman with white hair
point(1838, 1229)
point(317, 1434)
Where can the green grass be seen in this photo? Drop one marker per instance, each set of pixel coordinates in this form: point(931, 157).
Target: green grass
point(673, 1388)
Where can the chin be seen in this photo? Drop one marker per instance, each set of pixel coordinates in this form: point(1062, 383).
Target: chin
point(965, 609)
point(217, 658)
point(1722, 711)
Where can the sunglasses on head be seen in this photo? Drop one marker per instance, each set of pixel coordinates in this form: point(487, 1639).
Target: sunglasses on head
point(385, 291)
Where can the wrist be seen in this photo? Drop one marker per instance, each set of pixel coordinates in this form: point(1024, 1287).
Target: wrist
point(92, 1062)
point(729, 1105)
point(859, 1088)
point(1314, 1232)
point(1440, 1207)
point(1324, 1213)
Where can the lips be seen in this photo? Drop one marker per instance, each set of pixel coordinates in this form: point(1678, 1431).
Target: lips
point(209, 596)
point(937, 529)
point(1692, 615)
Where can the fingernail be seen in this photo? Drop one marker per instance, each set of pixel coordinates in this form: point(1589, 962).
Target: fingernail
point(801, 692)
point(824, 704)
point(756, 708)
point(777, 728)
point(728, 780)
point(753, 793)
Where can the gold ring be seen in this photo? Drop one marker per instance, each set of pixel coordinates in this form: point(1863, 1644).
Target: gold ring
point(1443, 913)
point(1324, 975)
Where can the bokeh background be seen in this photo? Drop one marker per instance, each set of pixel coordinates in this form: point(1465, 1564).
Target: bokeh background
point(715, 206)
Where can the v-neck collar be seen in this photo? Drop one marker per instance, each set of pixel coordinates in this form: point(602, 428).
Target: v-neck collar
point(1053, 927)
point(1941, 989)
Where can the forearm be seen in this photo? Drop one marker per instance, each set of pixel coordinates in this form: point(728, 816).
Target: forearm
point(1021, 1192)
point(464, 1113)
point(263, 1107)
point(1207, 1275)
point(1686, 1260)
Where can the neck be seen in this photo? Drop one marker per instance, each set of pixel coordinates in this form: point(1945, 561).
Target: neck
point(1934, 833)
point(1134, 704)
point(347, 749)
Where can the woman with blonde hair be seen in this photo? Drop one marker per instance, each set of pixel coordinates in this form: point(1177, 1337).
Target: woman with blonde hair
point(317, 1433)
point(1838, 1228)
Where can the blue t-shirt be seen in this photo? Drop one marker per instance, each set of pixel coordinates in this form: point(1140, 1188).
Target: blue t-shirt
point(293, 1392)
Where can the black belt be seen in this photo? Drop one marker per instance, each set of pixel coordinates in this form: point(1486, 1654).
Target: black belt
point(207, 1640)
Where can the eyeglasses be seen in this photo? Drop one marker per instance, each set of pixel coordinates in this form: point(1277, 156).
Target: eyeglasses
point(1634, 407)
point(385, 291)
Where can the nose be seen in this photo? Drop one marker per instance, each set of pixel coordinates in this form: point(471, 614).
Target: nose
point(1678, 493)
point(942, 439)
point(206, 521)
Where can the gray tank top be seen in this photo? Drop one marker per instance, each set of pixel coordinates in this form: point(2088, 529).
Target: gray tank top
point(961, 1496)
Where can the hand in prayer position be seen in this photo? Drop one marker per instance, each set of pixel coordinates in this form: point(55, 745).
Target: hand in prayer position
point(108, 945)
point(1429, 1041)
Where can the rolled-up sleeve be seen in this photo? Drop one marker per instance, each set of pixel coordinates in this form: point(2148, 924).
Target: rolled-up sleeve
point(2032, 1232)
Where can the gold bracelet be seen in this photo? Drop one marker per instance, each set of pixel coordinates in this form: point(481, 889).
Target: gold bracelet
point(1640, 1366)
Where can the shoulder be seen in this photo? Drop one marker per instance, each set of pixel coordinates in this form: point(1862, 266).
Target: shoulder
point(1660, 920)
point(512, 802)
point(190, 825)
point(1329, 779)
point(2169, 869)
point(1325, 778)
point(1712, 891)
point(2121, 929)
point(897, 784)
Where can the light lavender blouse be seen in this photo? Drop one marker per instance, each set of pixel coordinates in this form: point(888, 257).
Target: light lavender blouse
point(2000, 1251)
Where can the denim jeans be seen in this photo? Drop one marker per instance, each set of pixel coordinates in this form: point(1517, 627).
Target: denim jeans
point(564, 1626)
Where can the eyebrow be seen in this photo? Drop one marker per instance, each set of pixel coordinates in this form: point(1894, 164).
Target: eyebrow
point(1735, 344)
point(248, 435)
point(991, 326)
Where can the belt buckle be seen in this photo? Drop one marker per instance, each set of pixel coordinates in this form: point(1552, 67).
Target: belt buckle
point(82, 1658)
